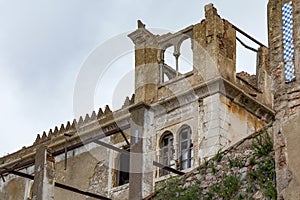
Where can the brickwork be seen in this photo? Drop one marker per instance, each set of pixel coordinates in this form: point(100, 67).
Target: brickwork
point(286, 99)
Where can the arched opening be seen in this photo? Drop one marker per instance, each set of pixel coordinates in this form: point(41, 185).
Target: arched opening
point(177, 58)
point(169, 65)
point(186, 57)
point(169, 58)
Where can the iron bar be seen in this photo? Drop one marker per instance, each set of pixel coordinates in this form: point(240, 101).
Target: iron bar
point(3, 179)
point(123, 151)
point(78, 191)
point(246, 46)
point(62, 186)
point(164, 167)
point(247, 35)
point(90, 140)
point(21, 174)
point(122, 133)
point(19, 165)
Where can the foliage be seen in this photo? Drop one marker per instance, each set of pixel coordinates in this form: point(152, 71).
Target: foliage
point(264, 175)
point(263, 144)
point(218, 157)
point(235, 163)
point(227, 188)
point(169, 189)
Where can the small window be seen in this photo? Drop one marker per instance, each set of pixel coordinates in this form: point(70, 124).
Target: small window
point(167, 152)
point(124, 169)
point(186, 148)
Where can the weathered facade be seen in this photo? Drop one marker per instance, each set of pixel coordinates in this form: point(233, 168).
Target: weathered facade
point(284, 38)
point(174, 121)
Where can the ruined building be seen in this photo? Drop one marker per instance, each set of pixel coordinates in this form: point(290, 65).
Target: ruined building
point(176, 118)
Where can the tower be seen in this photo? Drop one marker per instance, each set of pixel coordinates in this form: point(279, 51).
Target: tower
point(284, 38)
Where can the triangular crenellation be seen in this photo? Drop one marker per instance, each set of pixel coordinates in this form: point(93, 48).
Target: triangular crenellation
point(100, 113)
point(107, 110)
point(86, 119)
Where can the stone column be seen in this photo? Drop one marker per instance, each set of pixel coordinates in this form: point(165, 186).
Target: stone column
point(43, 186)
point(141, 152)
point(147, 70)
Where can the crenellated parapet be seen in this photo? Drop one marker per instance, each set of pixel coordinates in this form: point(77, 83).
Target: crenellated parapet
point(100, 119)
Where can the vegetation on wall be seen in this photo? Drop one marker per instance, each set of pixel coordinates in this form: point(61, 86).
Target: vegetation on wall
point(247, 172)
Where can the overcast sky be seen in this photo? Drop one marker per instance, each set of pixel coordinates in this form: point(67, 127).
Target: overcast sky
point(44, 43)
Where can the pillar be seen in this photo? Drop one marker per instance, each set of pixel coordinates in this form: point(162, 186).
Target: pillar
point(141, 152)
point(147, 70)
point(43, 186)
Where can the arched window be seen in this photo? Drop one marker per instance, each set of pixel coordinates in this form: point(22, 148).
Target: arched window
point(185, 147)
point(167, 152)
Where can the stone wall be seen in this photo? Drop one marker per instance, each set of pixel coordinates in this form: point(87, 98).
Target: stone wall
point(286, 102)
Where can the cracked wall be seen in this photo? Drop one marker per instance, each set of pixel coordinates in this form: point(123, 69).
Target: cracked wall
point(286, 101)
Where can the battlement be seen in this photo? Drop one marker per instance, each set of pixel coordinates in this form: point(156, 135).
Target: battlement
point(102, 119)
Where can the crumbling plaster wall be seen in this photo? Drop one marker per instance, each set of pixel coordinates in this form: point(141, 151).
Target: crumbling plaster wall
point(14, 189)
point(223, 124)
point(87, 169)
point(216, 122)
point(81, 171)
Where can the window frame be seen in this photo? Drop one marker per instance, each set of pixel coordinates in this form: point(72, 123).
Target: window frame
point(167, 152)
point(188, 151)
